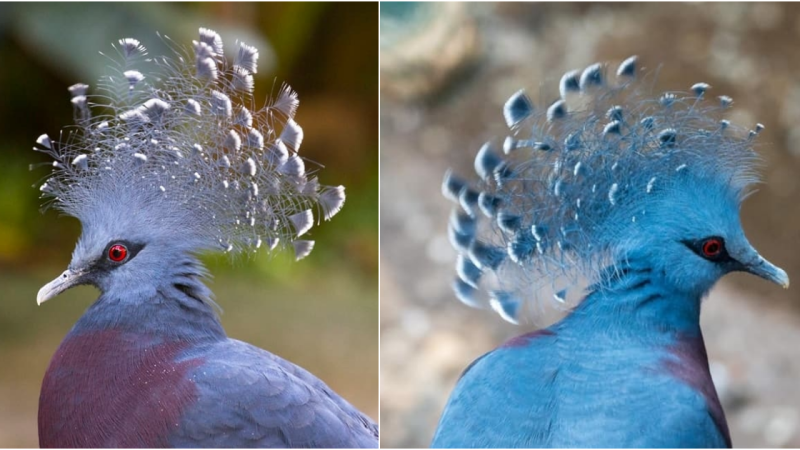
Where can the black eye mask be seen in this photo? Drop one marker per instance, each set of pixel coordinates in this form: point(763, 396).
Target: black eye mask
point(104, 262)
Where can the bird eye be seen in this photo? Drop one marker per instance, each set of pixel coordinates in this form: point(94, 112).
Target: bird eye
point(117, 253)
point(712, 248)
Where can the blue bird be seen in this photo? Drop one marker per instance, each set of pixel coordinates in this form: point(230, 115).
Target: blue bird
point(175, 163)
point(622, 208)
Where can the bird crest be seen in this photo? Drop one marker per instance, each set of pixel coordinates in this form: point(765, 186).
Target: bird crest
point(558, 198)
point(174, 145)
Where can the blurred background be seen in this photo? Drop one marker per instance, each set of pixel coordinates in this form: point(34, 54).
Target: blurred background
point(447, 69)
point(320, 313)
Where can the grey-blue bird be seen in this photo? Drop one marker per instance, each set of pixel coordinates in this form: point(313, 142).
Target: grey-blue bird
point(620, 206)
point(169, 159)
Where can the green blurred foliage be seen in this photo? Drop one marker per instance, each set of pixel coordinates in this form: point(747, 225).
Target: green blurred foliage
point(321, 313)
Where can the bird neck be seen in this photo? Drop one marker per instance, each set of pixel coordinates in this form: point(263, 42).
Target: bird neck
point(634, 327)
point(179, 307)
point(635, 299)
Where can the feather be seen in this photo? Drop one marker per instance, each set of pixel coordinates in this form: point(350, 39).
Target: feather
point(247, 58)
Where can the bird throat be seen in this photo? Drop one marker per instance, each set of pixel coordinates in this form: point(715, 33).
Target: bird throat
point(634, 298)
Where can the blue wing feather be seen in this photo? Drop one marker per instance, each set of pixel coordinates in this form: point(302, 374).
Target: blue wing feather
point(248, 397)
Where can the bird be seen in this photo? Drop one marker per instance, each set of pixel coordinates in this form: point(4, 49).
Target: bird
point(618, 206)
point(169, 159)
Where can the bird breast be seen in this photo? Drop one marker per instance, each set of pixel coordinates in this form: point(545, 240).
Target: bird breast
point(114, 389)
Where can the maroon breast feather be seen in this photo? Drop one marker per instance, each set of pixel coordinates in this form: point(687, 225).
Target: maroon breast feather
point(102, 389)
point(690, 365)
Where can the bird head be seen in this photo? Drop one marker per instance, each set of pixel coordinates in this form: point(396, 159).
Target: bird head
point(607, 174)
point(179, 162)
point(691, 235)
point(118, 249)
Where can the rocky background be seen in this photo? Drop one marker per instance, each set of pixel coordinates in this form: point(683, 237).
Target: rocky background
point(446, 71)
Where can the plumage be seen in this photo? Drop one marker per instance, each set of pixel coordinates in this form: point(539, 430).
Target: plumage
point(169, 172)
point(634, 205)
point(220, 391)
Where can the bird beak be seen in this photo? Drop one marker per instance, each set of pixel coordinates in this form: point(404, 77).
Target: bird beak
point(64, 281)
point(768, 271)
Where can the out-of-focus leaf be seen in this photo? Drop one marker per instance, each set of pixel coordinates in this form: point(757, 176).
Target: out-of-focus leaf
point(67, 36)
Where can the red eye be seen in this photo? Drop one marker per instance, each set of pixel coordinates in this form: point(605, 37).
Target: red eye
point(117, 253)
point(712, 248)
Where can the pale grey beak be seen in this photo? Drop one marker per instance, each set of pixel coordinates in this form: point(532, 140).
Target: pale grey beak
point(64, 281)
point(768, 271)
